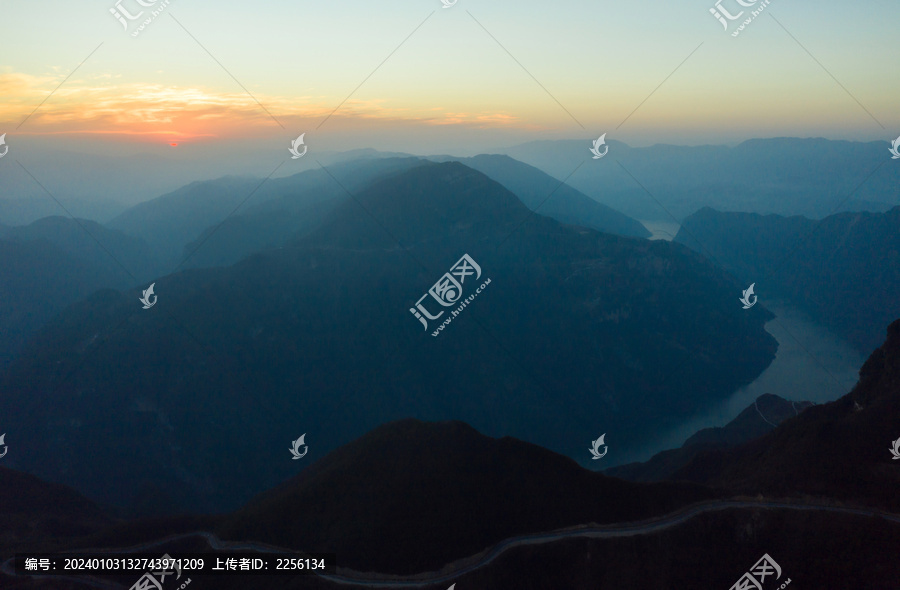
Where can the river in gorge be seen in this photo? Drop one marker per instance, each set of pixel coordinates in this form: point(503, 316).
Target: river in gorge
point(811, 364)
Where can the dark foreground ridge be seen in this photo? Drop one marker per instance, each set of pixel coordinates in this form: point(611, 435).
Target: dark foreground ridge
point(368, 500)
point(412, 497)
point(485, 560)
point(760, 417)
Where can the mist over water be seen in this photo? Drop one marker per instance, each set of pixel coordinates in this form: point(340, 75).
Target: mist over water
point(812, 364)
point(661, 230)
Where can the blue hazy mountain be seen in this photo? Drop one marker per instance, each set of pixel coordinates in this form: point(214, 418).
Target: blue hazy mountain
point(844, 270)
point(289, 208)
point(24, 211)
point(257, 213)
point(551, 197)
point(195, 401)
point(198, 215)
point(168, 222)
point(56, 261)
point(785, 176)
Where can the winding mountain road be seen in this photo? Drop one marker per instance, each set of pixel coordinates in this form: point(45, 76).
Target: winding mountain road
point(472, 563)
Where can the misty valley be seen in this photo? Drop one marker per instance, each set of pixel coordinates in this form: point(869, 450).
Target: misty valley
point(453, 296)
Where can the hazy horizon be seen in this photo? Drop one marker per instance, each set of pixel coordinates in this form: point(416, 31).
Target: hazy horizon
point(95, 108)
point(139, 173)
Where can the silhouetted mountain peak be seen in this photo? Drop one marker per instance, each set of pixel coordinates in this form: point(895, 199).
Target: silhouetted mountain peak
point(451, 186)
point(423, 204)
point(413, 453)
point(550, 196)
point(436, 449)
point(370, 500)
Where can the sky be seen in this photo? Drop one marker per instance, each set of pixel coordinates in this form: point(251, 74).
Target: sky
point(219, 80)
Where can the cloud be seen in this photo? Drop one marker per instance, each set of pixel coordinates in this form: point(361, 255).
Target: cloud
point(102, 105)
point(477, 120)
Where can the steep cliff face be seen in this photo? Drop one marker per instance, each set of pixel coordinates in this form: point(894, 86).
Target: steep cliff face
point(843, 270)
point(839, 450)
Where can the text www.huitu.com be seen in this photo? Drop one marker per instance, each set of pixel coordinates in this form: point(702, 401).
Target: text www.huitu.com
point(459, 309)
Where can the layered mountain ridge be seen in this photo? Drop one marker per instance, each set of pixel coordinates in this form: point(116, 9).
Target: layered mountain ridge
point(828, 268)
point(578, 330)
point(54, 262)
